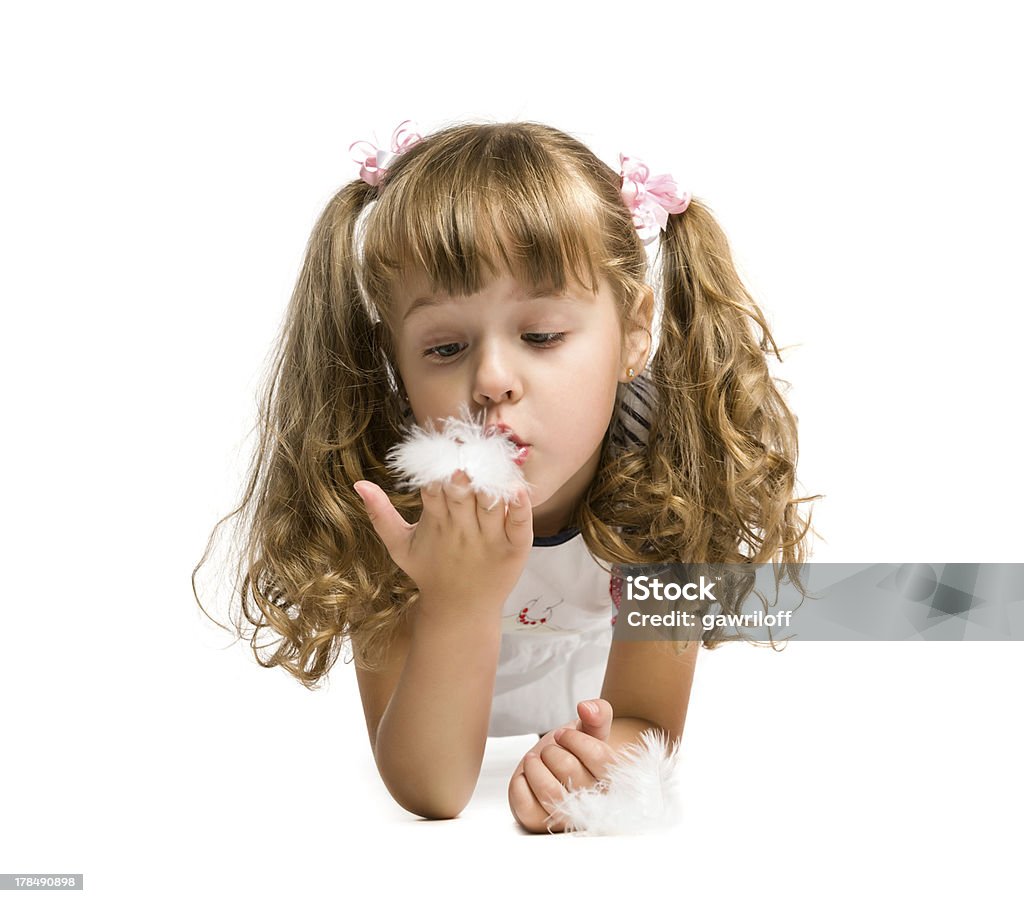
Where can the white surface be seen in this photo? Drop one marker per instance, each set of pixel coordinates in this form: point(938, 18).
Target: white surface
point(161, 172)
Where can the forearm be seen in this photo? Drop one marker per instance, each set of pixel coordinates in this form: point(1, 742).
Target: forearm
point(430, 741)
point(625, 731)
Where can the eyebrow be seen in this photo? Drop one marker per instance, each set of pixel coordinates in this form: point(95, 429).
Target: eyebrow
point(532, 295)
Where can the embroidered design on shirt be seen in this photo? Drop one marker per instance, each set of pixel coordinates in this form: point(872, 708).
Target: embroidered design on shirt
point(526, 619)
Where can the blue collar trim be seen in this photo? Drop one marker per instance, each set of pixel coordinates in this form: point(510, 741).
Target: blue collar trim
point(558, 539)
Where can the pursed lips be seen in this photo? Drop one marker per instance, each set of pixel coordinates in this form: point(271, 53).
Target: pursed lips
point(505, 430)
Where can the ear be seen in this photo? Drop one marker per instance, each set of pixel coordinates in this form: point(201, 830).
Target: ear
point(636, 336)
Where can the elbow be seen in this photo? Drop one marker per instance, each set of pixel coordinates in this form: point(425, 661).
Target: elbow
point(434, 796)
point(432, 789)
point(432, 812)
point(435, 807)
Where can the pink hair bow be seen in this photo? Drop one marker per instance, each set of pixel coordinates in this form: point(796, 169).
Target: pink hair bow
point(650, 198)
point(374, 161)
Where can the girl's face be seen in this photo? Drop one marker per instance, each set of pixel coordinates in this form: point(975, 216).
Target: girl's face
point(545, 367)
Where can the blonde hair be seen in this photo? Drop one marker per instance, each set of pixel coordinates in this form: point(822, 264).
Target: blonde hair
point(714, 483)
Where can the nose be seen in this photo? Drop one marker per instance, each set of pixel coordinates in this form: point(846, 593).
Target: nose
point(496, 379)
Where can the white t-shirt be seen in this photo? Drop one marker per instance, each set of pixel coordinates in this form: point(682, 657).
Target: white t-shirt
point(559, 618)
point(556, 633)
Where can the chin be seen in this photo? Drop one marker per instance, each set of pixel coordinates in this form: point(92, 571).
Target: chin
point(539, 500)
point(547, 510)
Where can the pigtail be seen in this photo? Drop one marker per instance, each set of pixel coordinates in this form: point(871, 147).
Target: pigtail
point(329, 410)
point(723, 425)
point(715, 482)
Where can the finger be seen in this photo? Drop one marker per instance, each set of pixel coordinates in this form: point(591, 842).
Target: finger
point(387, 523)
point(568, 770)
point(461, 501)
point(435, 508)
point(490, 515)
point(596, 755)
point(596, 718)
point(519, 520)
point(527, 811)
point(547, 740)
point(545, 787)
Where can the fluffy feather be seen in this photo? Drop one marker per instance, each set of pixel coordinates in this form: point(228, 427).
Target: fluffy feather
point(640, 794)
point(432, 456)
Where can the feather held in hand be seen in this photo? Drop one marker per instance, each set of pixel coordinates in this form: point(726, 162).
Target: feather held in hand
point(640, 793)
point(433, 456)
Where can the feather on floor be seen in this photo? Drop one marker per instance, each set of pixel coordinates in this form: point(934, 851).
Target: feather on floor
point(641, 793)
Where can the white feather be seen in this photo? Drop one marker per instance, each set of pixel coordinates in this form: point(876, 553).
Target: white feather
point(641, 792)
point(433, 456)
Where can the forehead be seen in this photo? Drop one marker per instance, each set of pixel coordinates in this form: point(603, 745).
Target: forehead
point(416, 298)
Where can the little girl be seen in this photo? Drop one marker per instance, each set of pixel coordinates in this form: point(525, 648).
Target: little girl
point(503, 267)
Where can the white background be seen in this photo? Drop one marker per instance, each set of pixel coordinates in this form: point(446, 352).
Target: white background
point(162, 168)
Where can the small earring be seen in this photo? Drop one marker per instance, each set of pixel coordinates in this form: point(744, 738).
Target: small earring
point(630, 373)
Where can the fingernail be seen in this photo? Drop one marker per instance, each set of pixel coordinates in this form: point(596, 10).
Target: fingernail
point(591, 708)
point(355, 486)
point(558, 734)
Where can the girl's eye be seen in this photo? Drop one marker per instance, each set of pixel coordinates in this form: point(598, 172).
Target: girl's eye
point(534, 339)
point(544, 339)
point(442, 351)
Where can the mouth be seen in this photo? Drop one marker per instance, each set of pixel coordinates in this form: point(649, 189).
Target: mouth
point(503, 429)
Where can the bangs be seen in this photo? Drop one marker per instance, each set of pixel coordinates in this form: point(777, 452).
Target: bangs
point(464, 212)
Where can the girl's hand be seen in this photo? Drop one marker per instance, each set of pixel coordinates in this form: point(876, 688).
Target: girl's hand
point(465, 546)
point(572, 756)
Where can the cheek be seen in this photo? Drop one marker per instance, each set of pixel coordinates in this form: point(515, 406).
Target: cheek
point(586, 400)
point(600, 370)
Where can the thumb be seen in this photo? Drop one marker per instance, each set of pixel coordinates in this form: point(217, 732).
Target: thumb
point(387, 523)
point(596, 718)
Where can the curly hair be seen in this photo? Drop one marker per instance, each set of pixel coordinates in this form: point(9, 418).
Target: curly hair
point(714, 483)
